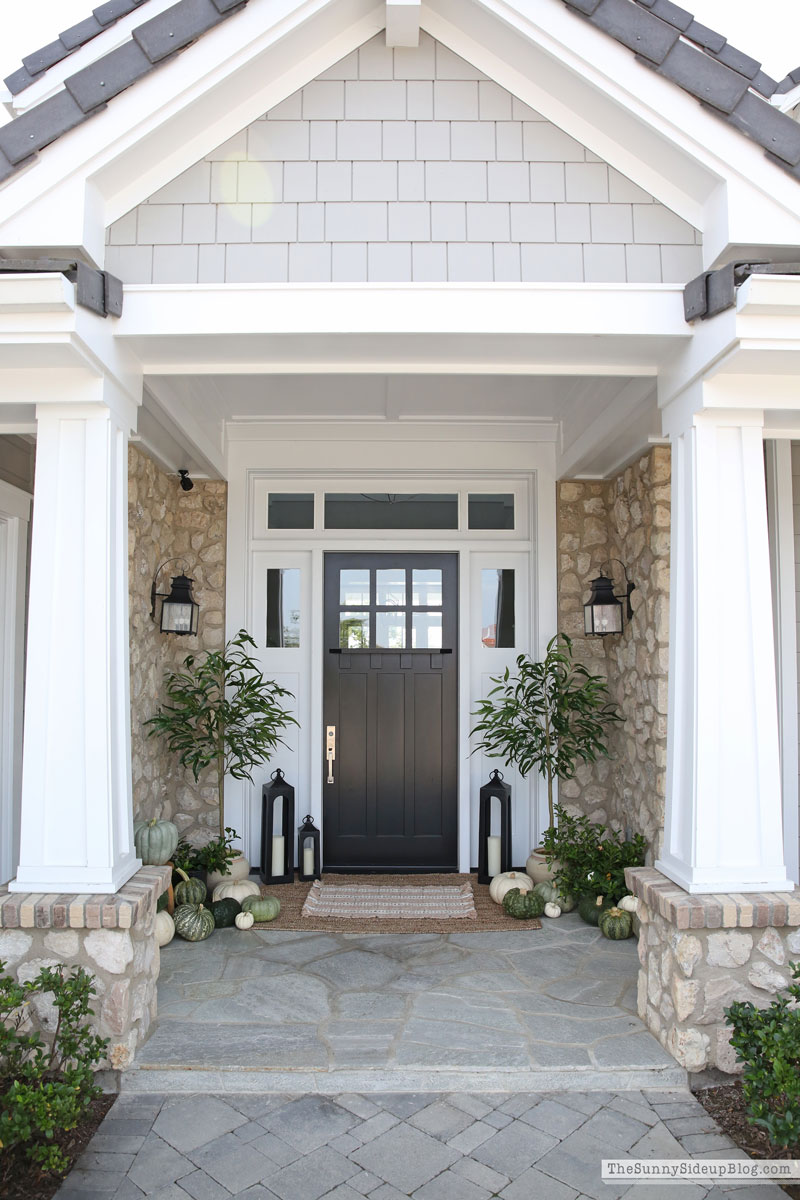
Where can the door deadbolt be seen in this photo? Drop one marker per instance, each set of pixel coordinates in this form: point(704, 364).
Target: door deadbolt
point(330, 750)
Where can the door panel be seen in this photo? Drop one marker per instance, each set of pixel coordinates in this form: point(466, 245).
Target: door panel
point(391, 691)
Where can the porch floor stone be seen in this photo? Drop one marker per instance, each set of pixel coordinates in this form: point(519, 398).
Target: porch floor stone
point(385, 1146)
point(283, 1010)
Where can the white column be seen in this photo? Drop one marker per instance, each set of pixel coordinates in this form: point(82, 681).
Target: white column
point(77, 826)
point(723, 829)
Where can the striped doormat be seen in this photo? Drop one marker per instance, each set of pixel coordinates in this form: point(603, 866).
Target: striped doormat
point(364, 901)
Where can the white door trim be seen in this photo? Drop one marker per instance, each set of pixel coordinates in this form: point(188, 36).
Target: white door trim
point(15, 511)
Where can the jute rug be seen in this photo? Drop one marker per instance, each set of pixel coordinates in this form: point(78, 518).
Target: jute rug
point(489, 916)
point(357, 901)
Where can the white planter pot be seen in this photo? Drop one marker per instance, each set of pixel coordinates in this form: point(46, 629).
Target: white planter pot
point(239, 868)
point(537, 867)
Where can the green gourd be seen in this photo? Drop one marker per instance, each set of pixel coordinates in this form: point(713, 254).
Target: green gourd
point(591, 906)
point(189, 890)
point(155, 841)
point(616, 924)
point(263, 908)
point(162, 901)
point(523, 905)
point(193, 922)
point(551, 895)
point(225, 912)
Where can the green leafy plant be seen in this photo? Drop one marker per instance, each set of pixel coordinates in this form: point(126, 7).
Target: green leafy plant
point(591, 857)
point(184, 856)
point(221, 710)
point(46, 1087)
point(551, 715)
point(217, 854)
point(767, 1041)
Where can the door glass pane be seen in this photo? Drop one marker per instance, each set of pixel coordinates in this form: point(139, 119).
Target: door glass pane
point(354, 587)
point(427, 588)
point(290, 510)
point(283, 606)
point(390, 630)
point(497, 601)
point(390, 588)
point(354, 630)
point(426, 631)
point(490, 512)
point(390, 510)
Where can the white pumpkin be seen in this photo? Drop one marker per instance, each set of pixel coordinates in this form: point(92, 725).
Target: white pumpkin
point(629, 904)
point(244, 920)
point(552, 910)
point(508, 880)
point(165, 928)
point(236, 889)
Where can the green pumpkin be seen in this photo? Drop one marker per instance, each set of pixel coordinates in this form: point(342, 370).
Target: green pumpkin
point(551, 895)
point(189, 890)
point(225, 912)
point(263, 908)
point(193, 922)
point(523, 905)
point(155, 841)
point(588, 908)
point(616, 924)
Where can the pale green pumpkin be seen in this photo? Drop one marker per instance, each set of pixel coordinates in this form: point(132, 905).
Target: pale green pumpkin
point(263, 908)
point(155, 841)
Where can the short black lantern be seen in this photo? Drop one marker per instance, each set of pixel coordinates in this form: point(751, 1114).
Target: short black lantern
point(308, 855)
point(602, 614)
point(494, 852)
point(180, 612)
point(277, 849)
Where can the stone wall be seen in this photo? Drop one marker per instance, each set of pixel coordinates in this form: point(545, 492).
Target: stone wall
point(165, 522)
point(111, 936)
point(627, 518)
point(700, 953)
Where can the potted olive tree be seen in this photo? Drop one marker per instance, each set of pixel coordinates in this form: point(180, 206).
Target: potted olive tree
point(552, 715)
point(220, 711)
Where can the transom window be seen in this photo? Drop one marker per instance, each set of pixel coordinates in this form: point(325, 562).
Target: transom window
point(392, 608)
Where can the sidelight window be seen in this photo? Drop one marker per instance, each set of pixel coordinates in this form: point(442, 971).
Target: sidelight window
point(283, 607)
point(498, 621)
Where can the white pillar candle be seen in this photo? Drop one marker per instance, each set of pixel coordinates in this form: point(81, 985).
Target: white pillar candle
point(277, 856)
point(308, 860)
point(493, 855)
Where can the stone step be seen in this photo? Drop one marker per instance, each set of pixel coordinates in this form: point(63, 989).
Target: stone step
point(147, 1079)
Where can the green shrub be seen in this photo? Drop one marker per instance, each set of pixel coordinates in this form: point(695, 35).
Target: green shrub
point(46, 1087)
point(592, 858)
point(767, 1041)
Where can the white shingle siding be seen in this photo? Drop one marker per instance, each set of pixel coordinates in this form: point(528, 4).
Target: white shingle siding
point(400, 165)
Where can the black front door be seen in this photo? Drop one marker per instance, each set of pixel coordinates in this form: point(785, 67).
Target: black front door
point(391, 698)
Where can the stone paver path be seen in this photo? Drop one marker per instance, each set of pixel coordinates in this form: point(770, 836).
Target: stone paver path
point(556, 1001)
point(387, 1146)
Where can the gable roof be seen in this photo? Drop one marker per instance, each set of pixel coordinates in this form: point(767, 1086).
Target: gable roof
point(662, 35)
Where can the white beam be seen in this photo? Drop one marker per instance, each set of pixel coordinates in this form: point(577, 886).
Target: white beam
point(402, 22)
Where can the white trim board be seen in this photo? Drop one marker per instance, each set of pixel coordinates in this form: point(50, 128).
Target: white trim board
point(15, 508)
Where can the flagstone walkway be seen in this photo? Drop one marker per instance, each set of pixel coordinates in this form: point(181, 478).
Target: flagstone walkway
point(291, 1011)
point(386, 1147)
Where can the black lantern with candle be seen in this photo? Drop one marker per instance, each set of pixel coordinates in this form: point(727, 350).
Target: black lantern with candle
point(308, 855)
point(489, 863)
point(277, 849)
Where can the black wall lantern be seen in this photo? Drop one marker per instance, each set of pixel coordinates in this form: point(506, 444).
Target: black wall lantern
point(603, 612)
point(308, 856)
point(494, 851)
point(180, 612)
point(277, 849)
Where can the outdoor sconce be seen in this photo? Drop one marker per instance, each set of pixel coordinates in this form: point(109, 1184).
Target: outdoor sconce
point(603, 612)
point(277, 849)
point(494, 851)
point(180, 611)
point(308, 855)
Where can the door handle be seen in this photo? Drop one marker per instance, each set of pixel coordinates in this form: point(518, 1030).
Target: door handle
point(330, 750)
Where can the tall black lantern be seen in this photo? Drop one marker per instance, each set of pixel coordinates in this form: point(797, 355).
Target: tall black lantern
point(277, 849)
point(308, 855)
point(602, 614)
point(494, 852)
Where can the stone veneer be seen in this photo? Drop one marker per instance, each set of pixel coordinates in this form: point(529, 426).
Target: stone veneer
point(700, 953)
point(112, 936)
point(627, 518)
point(165, 522)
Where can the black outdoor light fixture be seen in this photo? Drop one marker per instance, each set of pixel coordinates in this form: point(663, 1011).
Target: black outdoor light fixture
point(180, 611)
point(603, 612)
point(186, 482)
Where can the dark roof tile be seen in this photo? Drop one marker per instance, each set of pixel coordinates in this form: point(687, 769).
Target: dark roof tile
point(46, 57)
point(21, 138)
point(586, 7)
point(671, 13)
point(177, 28)
point(768, 126)
point(709, 39)
point(84, 31)
point(703, 77)
point(635, 28)
point(764, 84)
point(110, 12)
point(733, 58)
point(18, 81)
point(228, 6)
point(110, 75)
